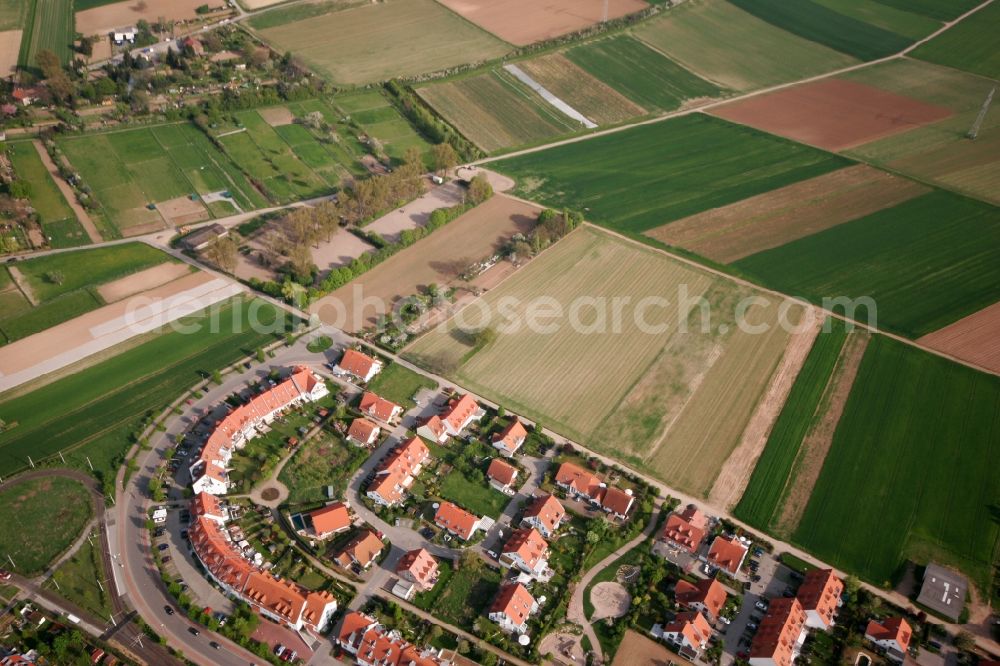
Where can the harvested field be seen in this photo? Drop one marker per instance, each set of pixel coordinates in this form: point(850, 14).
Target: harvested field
point(182, 210)
point(700, 34)
point(975, 338)
point(940, 152)
point(277, 116)
point(396, 38)
point(494, 110)
point(523, 22)
point(834, 114)
point(104, 19)
point(926, 263)
point(439, 258)
point(10, 45)
point(638, 650)
point(657, 389)
point(649, 175)
point(795, 211)
point(141, 281)
point(593, 98)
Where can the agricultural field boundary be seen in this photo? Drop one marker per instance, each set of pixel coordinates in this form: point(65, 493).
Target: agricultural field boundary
point(549, 97)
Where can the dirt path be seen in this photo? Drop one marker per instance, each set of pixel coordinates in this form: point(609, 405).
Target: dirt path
point(81, 215)
point(816, 444)
point(23, 285)
point(735, 473)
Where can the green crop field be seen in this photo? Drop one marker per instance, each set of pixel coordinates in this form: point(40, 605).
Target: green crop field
point(48, 314)
point(926, 263)
point(57, 219)
point(701, 36)
point(49, 26)
point(646, 176)
point(42, 518)
point(132, 168)
point(494, 110)
point(643, 75)
point(912, 470)
point(13, 14)
point(818, 23)
point(894, 19)
point(375, 42)
point(762, 498)
point(97, 411)
point(942, 11)
point(970, 45)
point(939, 152)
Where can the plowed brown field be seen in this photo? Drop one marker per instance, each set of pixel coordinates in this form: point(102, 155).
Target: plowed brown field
point(975, 338)
point(834, 114)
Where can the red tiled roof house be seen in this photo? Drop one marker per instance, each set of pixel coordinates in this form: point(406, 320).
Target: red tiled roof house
point(418, 567)
point(357, 364)
point(512, 608)
point(330, 519)
point(502, 476)
point(527, 551)
point(819, 595)
point(545, 513)
point(708, 596)
point(892, 635)
point(510, 439)
point(363, 432)
point(456, 521)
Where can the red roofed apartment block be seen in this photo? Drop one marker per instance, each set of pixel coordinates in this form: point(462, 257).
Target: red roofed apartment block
point(502, 476)
point(819, 595)
point(397, 472)
point(689, 632)
point(379, 408)
point(208, 505)
point(892, 635)
point(708, 596)
point(456, 520)
point(434, 430)
point(512, 608)
point(685, 530)
point(419, 567)
point(363, 432)
point(545, 514)
point(780, 635)
point(331, 519)
point(358, 365)
point(727, 553)
point(460, 413)
point(526, 550)
point(511, 439)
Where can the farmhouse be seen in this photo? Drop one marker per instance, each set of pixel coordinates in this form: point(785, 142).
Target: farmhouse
point(727, 553)
point(26, 96)
point(241, 424)
point(363, 432)
point(685, 530)
point(123, 35)
point(419, 568)
point(545, 514)
point(510, 439)
point(892, 635)
point(434, 430)
point(371, 644)
point(943, 591)
point(526, 550)
point(460, 413)
point(203, 238)
point(512, 608)
point(379, 408)
point(502, 476)
point(779, 638)
point(358, 365)
point(330, 519)
point(361, 550)
point(397, 472)
point(689, 632)
point(708, 596)
point(456, 521)
point(819, 595)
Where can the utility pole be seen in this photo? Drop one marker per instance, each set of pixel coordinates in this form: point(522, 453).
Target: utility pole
point(976, 126)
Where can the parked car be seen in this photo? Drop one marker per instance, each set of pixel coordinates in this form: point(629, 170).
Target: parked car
point(279, 649)
point(761, 604)
point(752, 626)
point(169, 610)
point(755, 578)
point(162, 546)
point(166, 559)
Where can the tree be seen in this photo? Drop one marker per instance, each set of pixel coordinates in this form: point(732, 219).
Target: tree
point(470, 561)
point(965, 641)
point(464, 646)
point(260, 354)
point(86, 47)
point(445, 157)
point(224, 253)
point(48, 62)
point(479, 190)
point(55, 277)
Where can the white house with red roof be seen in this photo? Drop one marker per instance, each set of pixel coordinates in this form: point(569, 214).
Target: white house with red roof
point(456, 520)
point(510, 439)
point(892, 635)
point(459, 413)
point(688, 632)
point(526, 551)
point(708, 596)
point(397, 472)
point(418, 567)
point(433, 429)
point(685, 530)
point(363, 432)
point(373, 645)
point(331, 519)
point(379, 408)
point(581, 484)
point(545, 513)
point(512, 608)
point(502, 476)
point(357, 364)
point(727, 553)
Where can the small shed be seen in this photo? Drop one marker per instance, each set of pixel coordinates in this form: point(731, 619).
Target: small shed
point(202, 238)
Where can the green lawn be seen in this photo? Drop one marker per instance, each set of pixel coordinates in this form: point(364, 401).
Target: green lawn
point(78, 580)
point(326, 460)
point(926, 263)
point(640, 73)
point(57, 218)
point(399, 384)
point(762, 499)
point(460, 597)
point(640, 178)
point(970, 45)
point(88, 268)
point(821, 24)
point(42, 518)
point(912, 469)
point(97, 411)
point(476, 497)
